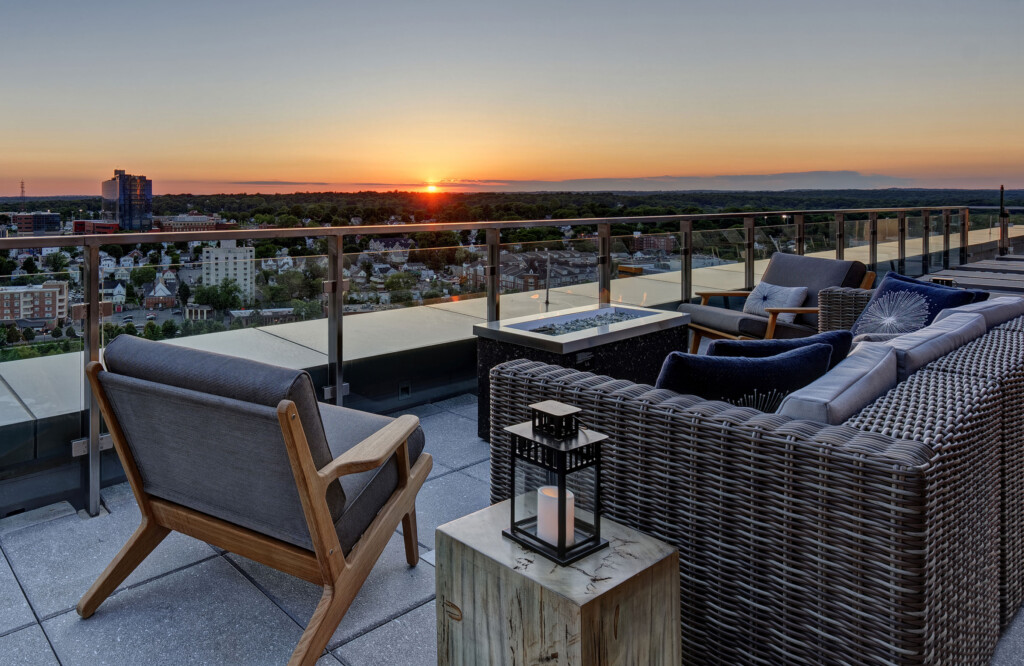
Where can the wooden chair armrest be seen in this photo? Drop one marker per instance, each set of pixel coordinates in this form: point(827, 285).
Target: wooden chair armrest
point(706, 295)
point(373, 451)
point(772, 311)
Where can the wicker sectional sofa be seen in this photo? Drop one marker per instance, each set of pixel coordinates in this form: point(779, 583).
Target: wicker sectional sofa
point(895, 537)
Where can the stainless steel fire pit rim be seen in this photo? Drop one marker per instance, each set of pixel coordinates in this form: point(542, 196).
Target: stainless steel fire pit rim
point(651, 321)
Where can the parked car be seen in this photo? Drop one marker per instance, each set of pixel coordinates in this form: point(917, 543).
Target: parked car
point(151, 316)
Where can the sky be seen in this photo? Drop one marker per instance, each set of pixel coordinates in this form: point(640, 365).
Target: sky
point(257, 96)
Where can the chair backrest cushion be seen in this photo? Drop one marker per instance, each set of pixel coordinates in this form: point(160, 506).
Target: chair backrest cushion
point(815, 273)
point(220, 376)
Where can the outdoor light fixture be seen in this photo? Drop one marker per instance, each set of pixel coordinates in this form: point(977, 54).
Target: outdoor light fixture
point(556, 484)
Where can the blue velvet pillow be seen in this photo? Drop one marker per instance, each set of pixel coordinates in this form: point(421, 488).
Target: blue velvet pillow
point(840, 342)
point(978, 295)
point(760, 383)
point(903, 305)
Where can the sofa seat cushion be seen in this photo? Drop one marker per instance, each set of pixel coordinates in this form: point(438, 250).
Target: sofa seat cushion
point(903, 305)
point(846, 389)
point(760, 383)
point(918, 349)
point(767, 295)
point(839, 341)
point(996, 311)
point(365, 492)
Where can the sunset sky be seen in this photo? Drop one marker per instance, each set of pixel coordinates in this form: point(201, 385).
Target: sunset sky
point(338, 95)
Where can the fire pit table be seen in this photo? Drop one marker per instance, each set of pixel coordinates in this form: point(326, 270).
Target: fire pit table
point(622, 341)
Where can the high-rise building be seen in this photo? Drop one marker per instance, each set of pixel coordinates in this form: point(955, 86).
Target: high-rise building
point(37, 224)
point(39, 301)
point(229, 262)
point(128, 200)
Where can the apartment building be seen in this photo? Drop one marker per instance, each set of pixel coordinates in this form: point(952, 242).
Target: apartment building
point(38, 301)
point(230, 262)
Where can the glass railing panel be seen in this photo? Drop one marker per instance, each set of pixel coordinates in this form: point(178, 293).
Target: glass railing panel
point(888, 251)
point(935, 246)
point(549, 275)
point(646, 269)
point(856, 239)
point(914, 262)
point(1016, 233)
point(820, 239)
point(718, 257)
point(41, 359)
point(954, 239)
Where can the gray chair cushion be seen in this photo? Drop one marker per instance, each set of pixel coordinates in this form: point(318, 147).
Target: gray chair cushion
point(368, 491)
point(845, 389)
point(815, 273)
point(726, 321)
point(228, 377)
point(217, 455)
point(996, 311)
point(918, 349)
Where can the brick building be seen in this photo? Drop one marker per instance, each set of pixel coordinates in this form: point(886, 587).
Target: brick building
point(47, 301)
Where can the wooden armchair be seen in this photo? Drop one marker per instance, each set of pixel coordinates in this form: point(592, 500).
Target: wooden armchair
point(235, 453)
point(788, 270)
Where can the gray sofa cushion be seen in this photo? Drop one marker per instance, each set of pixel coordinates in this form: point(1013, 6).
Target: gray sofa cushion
point(366, 492)
point(815, 273)
point(918, 349)
point(846, 389)
point(228, 377)
point(996, 311)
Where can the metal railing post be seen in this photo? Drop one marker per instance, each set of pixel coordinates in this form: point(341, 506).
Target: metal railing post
point(801, 238)
point(748, 260)
point(901, 243)
point(686, 260)
point(840, 235)
point(91, 347)
point(334, 289)
point(926, 230)
point(947, 227)
point(965, 234)
point(1004, 233)
point(604, 263)
point(492, 274)
point(873, 241)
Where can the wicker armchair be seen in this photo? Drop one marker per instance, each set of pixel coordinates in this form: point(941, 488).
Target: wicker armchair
point(839, 307)
point(800, 542)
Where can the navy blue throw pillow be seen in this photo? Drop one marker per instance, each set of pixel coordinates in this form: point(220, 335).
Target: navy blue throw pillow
point(760, 383)
point(840, 342)
point(903, 305)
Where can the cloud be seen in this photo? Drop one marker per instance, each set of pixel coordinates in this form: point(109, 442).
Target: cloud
point(273, 182)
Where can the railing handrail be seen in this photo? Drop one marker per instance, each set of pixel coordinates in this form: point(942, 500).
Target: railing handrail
point(89, 240)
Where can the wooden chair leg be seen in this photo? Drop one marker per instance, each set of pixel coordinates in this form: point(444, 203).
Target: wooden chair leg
point(333, 605)
point(147, 537)
point(695, 337)
point(412, 546)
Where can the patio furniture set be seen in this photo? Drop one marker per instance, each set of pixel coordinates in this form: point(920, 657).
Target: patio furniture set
point(866, 512)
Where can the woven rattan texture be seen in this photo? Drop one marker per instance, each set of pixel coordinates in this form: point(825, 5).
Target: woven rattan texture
point(799, 542)
point(840, 307)
point(999, 357)
point(957, 416)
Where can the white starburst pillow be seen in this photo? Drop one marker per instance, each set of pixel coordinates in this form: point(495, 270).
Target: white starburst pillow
point(904, 305)
point(773, 296)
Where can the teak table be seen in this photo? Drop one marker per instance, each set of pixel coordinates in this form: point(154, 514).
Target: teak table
point(501, 604)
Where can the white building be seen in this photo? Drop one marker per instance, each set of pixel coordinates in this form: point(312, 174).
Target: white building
point(229, 262)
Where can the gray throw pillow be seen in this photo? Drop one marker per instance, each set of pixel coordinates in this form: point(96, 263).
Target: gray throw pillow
point(773, 296)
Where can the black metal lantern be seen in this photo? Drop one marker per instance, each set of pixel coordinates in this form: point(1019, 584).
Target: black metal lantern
point(556, 484)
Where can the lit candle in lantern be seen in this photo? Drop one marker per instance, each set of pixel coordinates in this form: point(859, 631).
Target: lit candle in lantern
point(547, 516)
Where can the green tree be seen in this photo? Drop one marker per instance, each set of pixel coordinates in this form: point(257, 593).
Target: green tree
point(184, 293)
point(29, 334)
point(115, 251)
point(225, 296)
point(141, 276)
point(399, 280)
point(13, 334)
point(70, 332)
point(129, 329)
point(111, 331)
point(29, 266)
point(401, 297)
point(169, 328)
point(151, 331)
point(56, 262)
point(57, 333)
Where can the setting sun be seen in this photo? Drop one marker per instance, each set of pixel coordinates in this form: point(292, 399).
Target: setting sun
point(431, 188)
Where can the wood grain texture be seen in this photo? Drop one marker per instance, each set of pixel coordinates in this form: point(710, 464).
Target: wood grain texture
point(499, 603)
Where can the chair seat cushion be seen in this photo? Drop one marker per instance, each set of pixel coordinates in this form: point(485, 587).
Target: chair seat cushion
point(726, 321)
point(760, 383)
point(839, 341)
point(846, 389)
point(903, 305)
point(767, 295)
point(365, 492)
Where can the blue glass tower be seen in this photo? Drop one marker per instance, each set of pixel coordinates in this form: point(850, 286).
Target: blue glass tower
point(128, 200)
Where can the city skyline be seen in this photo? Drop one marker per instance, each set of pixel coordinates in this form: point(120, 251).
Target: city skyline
point(533, 96)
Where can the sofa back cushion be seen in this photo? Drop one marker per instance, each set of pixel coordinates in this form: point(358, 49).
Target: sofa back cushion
point(839, 341)
point(846, 389)
point(996, 311)
point(918, 349)
point(815, 273)
point(760, 383)
point(903, 305)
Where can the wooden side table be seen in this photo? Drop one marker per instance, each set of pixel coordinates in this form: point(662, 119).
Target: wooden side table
point(501, 604)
